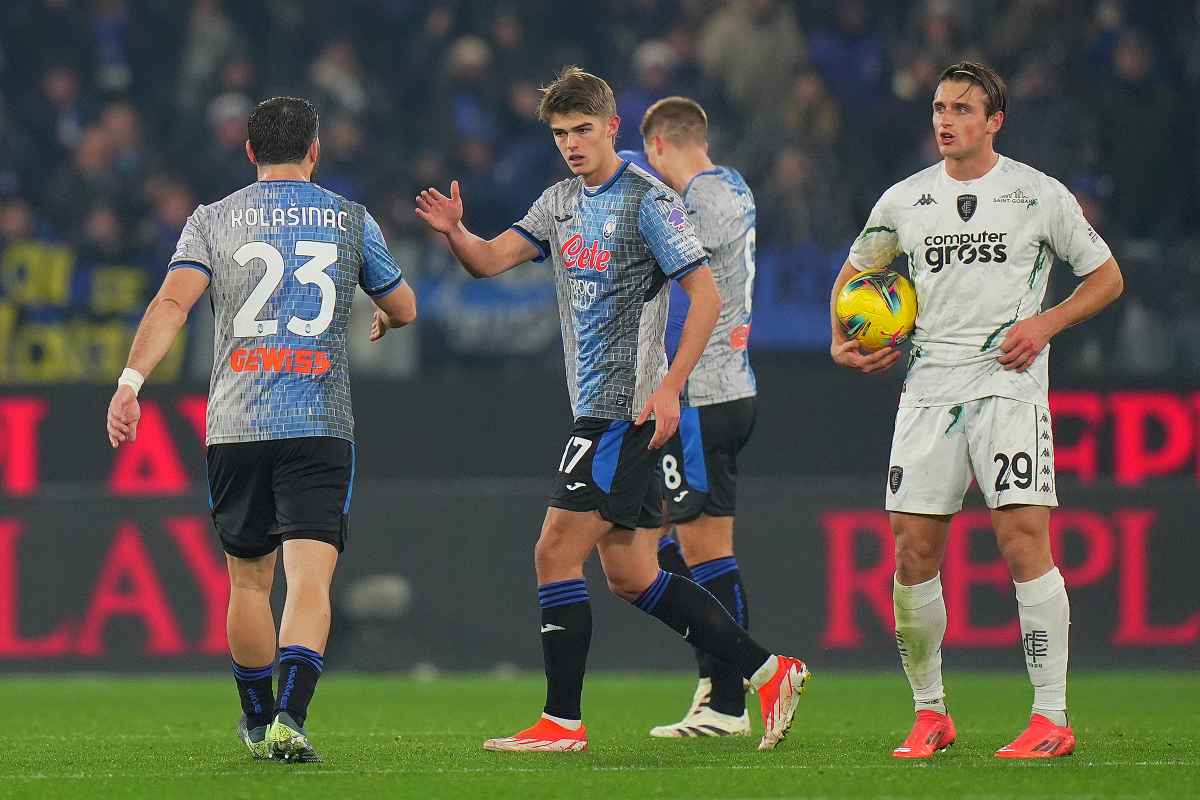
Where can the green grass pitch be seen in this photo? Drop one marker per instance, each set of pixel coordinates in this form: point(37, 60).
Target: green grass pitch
point(385, 737)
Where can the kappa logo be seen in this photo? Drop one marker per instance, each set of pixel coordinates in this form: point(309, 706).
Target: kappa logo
point(966, 206)
point(925, 200)
point(895, 478)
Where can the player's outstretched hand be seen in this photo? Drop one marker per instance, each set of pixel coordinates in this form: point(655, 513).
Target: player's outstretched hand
point(1024, 342)
point(438, 211)
point(123, 415)
point(379, 325)
point(664, 404)
point(848, 354)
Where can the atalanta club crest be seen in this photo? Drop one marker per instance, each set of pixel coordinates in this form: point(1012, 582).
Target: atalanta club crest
point(966, 206)
point(895, 478)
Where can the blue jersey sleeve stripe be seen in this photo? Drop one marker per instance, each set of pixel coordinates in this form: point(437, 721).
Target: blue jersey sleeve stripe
point(386, 289)
point(542, 246)
point(684, 270)
point(190, 265)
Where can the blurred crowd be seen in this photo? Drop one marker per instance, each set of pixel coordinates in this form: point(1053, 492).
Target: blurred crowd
point(118, 116)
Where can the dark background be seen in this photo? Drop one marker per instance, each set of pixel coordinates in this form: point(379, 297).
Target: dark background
point(118, 116)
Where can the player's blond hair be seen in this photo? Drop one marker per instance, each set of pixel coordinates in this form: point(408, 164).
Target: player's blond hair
point(678, 119)
point(574, 91)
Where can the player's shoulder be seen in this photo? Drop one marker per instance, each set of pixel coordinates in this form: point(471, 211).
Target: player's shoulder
point(920, 183)
point(1027, 186)
point(720, 182)
point(640, 182)
point(560, 190)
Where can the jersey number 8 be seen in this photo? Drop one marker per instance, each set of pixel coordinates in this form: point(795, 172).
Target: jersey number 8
point(322, 256)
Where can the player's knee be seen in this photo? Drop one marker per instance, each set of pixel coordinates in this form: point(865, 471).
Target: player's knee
point(628, 587)
point(916, 555)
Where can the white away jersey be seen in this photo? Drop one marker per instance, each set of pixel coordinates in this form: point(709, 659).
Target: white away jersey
point(979, 253)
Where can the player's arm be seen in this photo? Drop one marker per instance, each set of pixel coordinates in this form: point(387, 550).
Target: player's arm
point(482, 258)
point(845, 350)
point(395, 309)
point(164, 318)
point(702, 316)
point(1026, 339)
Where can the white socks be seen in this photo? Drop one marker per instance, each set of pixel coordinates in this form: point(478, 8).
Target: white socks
point(1045, 619)
point(920, 627)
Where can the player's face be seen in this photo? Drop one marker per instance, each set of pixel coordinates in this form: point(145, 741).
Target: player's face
point(960, 123)
point(585, 142)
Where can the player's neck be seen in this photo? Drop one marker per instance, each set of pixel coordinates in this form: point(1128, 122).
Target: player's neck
point(690, 165)
point(601, 176)
point(284, 172)
point(976, 166)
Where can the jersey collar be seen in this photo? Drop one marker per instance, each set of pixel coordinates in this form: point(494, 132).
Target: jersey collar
point(604, 187)
point(995, 170)
point(686, 189)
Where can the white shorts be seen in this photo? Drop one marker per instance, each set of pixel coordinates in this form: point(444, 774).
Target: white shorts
point(1006, 445)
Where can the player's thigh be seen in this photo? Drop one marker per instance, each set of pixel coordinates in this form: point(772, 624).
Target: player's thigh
point(699, 472)
point(241, 498)
point(309, 562)
point(313, 482)
point(630, 560)
point(1012, 450)
point(606, 467)
point(929, 468)
point(705, 538)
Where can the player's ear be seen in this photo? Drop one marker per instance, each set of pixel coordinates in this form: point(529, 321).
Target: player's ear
point(314, 150)
point(250, 153)
point(614, 125)
point(996, 122)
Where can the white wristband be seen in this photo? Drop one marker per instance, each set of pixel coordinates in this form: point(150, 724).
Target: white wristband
point(133, 379)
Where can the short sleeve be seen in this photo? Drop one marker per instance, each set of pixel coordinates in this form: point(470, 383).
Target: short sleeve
point(878, 245)
point(192, 250)
point(535, 225)
point(1070, 236)
point(380, 273)
point(668, 232)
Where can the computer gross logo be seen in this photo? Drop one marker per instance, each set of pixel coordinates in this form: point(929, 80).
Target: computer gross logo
point(942, 250)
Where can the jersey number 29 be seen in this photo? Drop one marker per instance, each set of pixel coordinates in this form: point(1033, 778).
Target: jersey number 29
point(322, 255)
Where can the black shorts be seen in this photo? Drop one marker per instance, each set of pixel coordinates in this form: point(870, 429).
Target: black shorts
point(607, 467)
point(262, 493)
point(698, 468)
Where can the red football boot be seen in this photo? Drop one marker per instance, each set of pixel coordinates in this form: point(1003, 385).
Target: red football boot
point(545, 736)
point(1042, 739)
point(932, 733)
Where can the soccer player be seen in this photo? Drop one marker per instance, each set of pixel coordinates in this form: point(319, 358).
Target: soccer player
point(280, 258)
point(616, 236)
point(698, 468)
point(980, 231)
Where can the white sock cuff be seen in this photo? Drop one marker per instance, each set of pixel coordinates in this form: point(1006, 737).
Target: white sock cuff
point(911, 598)
point(1039, 590)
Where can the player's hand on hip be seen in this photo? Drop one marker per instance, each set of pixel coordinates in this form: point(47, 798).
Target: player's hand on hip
point(1024, 342)
point(438, 211)
point(123, 415)
point(664, 404)
point(848, 354)
point(379, 325)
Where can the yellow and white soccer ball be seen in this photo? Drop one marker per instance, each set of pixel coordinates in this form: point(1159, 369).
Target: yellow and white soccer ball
point(877, 307)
